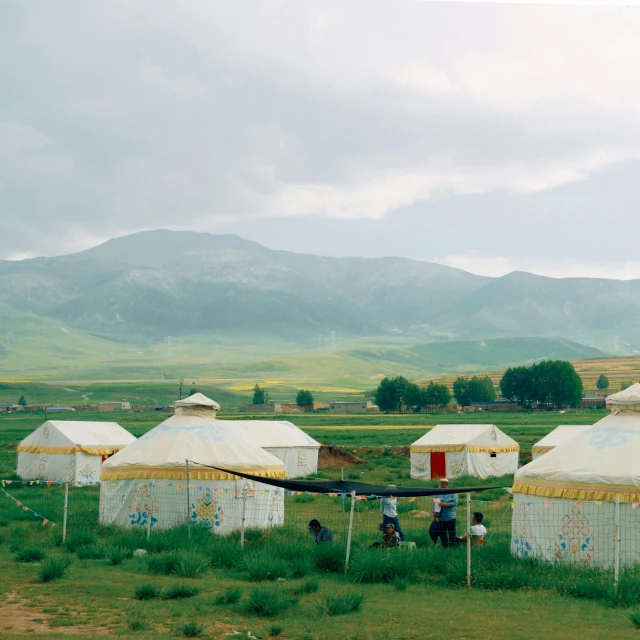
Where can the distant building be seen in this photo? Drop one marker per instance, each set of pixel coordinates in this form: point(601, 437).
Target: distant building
point(58, 409)
point(363, 406)
point(267, 407)
point(10, 408)
point(593, 402)
point(115, 406)
point(294, 407)
point(497, 405)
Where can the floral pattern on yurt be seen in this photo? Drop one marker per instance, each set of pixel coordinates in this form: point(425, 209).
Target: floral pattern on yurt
point(206, 510)
point(142, 506)
point(574, 540)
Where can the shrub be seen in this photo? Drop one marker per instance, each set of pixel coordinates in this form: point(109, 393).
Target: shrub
point(265, 567)
point(191, 565)
point(328, 557)
point(373, 566)
point(274, 630)
point(116, 555)
point(137, 623)
point(79, 539)
point(32, 554)
point(268, 602)
point(91, 553)
point(300, 567)
point(164, 563)
point(633, 616)
point(230, 596)
point(147, 592)
point(400, 583)
point(179, 592)
point(225, 554)
point(341, 603)
point(54, 568)
point(191, 629)
point(310, 586)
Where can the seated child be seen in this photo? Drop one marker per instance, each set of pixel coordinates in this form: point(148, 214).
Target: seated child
point(478, 530)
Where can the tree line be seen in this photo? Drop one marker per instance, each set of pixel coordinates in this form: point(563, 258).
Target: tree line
point(552, 382)
point(399, 394)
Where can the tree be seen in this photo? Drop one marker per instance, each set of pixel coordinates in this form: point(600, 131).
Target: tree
point(602, 382)
point(304, 398)
point(260, 396)
point(516, 384)
point(22, 402)
point(461, 391)
point(388, 396)
point(625, 385)
point(481, 389)
point(435, 395)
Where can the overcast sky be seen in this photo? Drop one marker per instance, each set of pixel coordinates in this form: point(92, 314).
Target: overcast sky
point(488, 137)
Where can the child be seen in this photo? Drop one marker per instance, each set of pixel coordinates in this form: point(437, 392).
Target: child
point(478, 530)
point(390, 538)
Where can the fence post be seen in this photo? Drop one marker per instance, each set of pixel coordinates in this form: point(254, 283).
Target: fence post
point(353, 504)
point(66, 511)
point(244, 511)
point(188, 501)
point(616, 546)
point(468, 539)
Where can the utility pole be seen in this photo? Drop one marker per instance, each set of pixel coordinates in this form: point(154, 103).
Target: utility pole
point(181, 383)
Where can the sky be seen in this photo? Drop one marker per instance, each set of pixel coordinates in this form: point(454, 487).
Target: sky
point(490, 137)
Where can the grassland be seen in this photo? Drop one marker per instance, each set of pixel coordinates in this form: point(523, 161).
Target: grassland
point(423, 597)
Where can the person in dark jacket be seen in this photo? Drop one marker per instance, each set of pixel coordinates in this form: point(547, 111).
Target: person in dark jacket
point(320, 534)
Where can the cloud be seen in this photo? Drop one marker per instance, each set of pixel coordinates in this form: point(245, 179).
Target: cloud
point(127, 116)
point(495, 266)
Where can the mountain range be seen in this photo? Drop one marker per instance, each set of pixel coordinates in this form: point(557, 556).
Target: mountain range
point(155, 284)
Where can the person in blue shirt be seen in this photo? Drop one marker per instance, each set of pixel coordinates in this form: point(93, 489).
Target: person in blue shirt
point(443, 514)
point(389, 509)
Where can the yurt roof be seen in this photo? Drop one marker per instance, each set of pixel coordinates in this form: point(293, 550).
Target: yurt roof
point(559, 435)
point(456, 437)
point(198, 400)
point(92, 437)
point(273, 434)
point(630, 395)
point(597, 463)
point(163, 452)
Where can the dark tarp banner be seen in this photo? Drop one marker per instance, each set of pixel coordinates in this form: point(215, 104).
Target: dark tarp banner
point(346, 487)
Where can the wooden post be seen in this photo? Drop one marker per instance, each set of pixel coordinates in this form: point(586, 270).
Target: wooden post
point(244, 510)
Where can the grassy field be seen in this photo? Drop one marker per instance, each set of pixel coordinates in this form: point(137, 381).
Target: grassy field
point(208, 587)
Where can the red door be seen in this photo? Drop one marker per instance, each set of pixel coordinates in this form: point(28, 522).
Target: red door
point(438, 465)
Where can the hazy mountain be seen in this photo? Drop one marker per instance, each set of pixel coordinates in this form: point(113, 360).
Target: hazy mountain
point(175, 283)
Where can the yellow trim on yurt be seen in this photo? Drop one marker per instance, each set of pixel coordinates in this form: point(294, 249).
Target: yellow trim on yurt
point(577, 490)
point(195, 473)
point(505, 448)
point(461, 447)
point(435, 448)
point(92, 451)
point(541, 449)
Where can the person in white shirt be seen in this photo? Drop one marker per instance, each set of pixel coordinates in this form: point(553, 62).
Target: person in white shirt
point(478, 530)
point(389, 509)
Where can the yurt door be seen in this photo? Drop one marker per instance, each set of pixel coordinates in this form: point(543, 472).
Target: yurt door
point(438, 465)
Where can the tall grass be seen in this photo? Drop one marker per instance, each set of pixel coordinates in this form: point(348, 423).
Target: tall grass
point(32, 554)
point(268, 602)
point(341, 603)
point(261, 566)
point(328, 558)
point(54, 568)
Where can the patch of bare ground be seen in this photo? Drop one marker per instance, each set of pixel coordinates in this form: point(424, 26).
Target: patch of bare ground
point(331, 456)
point(19, 619)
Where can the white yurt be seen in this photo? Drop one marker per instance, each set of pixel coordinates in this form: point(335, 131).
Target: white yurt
point(453, 450)
point(297, 450)
point(70, 451)
point(145, 485)
point(564, 501)
point(559, 435)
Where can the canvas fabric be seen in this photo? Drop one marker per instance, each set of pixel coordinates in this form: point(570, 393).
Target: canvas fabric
point(467, 449)
point(558, 436)
point(573, 531)
point(213, 504)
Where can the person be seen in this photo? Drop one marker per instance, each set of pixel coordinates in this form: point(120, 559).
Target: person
point(443, 515)
point(320, 534)
point(478, 530)
point(389, 509)
point(390, 538)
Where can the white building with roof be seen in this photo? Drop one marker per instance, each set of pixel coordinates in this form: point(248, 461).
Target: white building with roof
point(69, 450)
point(453, 450)
point(564, 501)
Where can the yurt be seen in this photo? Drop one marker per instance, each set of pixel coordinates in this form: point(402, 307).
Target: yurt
point(453, 450)
point(70, 451)
point(145, 485)
point(565, 500)
point(559, 435)
point(288, 443)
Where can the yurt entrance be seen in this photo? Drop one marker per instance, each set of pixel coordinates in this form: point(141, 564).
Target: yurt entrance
point(438, 465)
